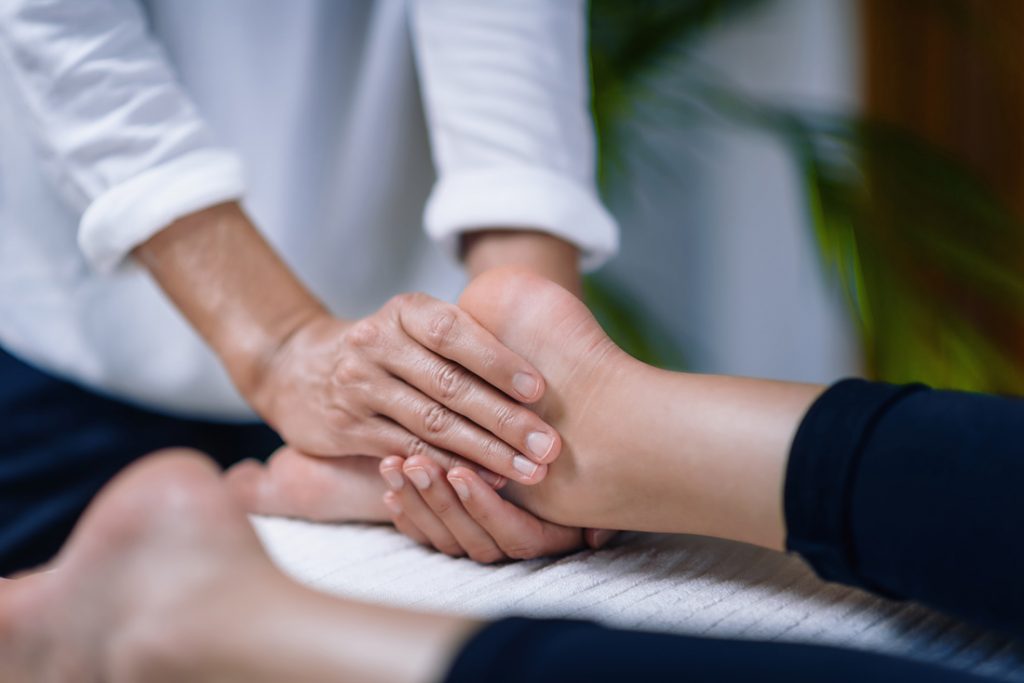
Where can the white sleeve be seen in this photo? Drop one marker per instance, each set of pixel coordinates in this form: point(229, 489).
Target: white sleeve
point(122, 141)
point(506, 89)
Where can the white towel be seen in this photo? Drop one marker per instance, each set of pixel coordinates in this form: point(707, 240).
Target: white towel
point(680, 584)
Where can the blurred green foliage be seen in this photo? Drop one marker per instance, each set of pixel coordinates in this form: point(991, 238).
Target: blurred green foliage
point(930, 260)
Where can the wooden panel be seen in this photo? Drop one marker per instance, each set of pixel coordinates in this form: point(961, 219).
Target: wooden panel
point(953, 71)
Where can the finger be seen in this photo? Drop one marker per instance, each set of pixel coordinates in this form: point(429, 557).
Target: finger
point(406, 499)
point(464, 393)
point(435, 490)
point(390, 438)
point(402, 523)
point(519, 534)
point(454, 334)
point(449, 431)
point(249, 483)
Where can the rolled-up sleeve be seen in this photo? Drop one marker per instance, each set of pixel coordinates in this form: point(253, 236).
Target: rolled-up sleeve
point(506, 89)
point(120, 138)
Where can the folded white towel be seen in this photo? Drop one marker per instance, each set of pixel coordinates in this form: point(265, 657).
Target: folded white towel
point(680, 584)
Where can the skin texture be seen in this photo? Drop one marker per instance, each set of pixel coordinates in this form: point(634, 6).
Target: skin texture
point(644, 449)
point(418, 377)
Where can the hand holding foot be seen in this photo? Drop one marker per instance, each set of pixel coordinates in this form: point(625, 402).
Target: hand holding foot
point(643, 449)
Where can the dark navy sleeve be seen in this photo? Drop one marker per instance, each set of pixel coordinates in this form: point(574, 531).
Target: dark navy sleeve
point(915, 494)
point(548, 651)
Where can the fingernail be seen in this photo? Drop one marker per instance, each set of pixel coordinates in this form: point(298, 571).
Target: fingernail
point(394, 479)
point(460, 486)
point(601, 537)
point(524, 465)
point(392, 504)
point(525, 384)
point(539, 444)
point(493, 480)
point(419, 477)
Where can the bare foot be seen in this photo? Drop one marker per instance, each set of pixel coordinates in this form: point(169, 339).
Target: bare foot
point(165, 580)
point(293, 484)
point(643, 448)
point(582, 368)
point(107, 608)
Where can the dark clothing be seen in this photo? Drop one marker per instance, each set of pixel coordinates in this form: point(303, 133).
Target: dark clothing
point(915, 494)
point(61, 443)
point(552, 651)
point(909, 492)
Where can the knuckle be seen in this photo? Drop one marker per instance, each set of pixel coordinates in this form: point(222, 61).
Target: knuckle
point(414, 446)
point(347, 370)
point(495, 451)
point(442, 328)
point(523, 550)
point(364, 333)
point(438, 419)
point(450, 380)
point(507, 418)
point(488, 357)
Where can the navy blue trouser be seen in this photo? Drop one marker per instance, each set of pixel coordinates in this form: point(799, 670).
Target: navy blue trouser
point(912, 493)
point(60, 443)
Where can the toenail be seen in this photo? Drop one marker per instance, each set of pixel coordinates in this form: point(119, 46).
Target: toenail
point(539, 444)
point(419, 477)
point(524, 465)
point(525, 384)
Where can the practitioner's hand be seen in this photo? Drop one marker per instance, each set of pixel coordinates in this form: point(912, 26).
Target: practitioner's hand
point(460, 515)
point(419, 377)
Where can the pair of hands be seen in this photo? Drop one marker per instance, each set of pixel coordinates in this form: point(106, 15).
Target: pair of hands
point(436, 400)
point(417, 378)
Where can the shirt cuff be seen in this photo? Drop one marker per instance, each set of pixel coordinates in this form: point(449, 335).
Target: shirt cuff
point(128, 214)
point(521, 198)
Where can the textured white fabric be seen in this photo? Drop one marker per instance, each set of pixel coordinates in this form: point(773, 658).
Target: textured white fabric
point(118, 116)
point(679, 584)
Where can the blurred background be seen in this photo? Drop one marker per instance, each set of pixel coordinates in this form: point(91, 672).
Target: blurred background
point(815, 188)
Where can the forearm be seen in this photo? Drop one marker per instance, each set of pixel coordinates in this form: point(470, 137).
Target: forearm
point(230, 285)
point(539, 252)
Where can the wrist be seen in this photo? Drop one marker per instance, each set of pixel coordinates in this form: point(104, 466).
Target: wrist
point(539, 252)
point(215, 266)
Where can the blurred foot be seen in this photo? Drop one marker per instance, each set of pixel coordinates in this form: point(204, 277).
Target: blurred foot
point(156, 565)
point(164, 580)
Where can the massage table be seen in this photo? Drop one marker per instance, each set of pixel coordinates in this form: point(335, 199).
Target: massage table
point(679, 584)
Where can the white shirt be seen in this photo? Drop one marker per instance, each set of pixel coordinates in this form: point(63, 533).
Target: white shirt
point(117, 117)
